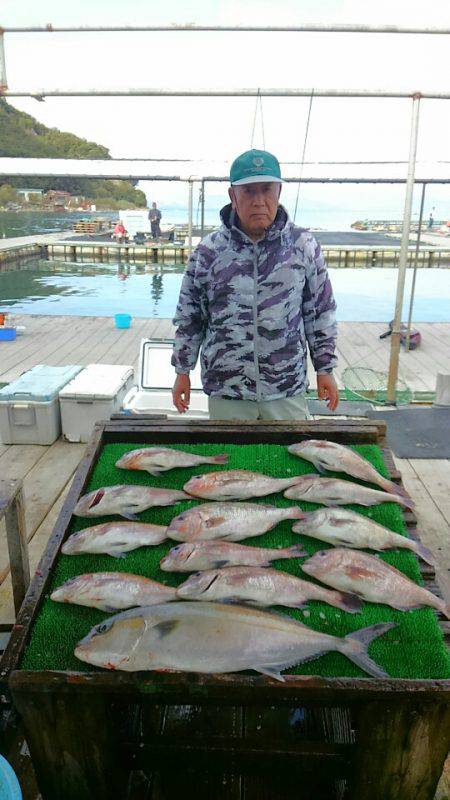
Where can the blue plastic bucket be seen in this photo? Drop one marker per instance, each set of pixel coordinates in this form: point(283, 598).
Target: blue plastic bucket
point(7, 334)
point(9, 785)
point(122, 320)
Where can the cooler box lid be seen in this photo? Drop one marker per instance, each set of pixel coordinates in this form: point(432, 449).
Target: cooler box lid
point(40, 384)
point(97, 382)
point(155, 369)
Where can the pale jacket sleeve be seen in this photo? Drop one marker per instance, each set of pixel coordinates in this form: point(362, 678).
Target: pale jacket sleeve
point(319, 310)
point(191, 315)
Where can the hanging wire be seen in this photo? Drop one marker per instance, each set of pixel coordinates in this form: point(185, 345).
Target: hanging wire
point(198, 207)
point(303, 154)
point(258, 104)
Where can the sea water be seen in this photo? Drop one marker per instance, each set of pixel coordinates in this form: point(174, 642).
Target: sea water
point(362, 295)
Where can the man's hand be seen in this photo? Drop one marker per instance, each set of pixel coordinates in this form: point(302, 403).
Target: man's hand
point(327, 390)
point(181, 393)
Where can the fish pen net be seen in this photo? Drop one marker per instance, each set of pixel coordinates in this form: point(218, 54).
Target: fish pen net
point(362, 383)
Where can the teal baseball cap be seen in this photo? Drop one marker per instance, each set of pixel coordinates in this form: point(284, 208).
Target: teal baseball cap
point(255, 166)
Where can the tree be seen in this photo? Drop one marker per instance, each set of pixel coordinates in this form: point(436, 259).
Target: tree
point(8, 194)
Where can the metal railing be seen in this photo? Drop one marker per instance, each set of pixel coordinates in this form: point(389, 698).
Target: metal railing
point(415, 95)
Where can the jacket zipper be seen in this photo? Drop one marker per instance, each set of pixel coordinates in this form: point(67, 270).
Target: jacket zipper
point(255, 323)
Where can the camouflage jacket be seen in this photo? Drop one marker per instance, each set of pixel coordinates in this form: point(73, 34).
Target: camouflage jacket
point(253, 308)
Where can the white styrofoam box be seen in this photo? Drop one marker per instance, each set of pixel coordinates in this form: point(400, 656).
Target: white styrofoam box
point(153, 393)
point(138, 402)
point(29, 406)
point(96, 393)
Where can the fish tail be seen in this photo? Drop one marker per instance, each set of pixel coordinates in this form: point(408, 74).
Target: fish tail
point(295, 513)
point(220, 459)
point(405, 500)
point(296, 551)
point(424, 553)
point(356, 644)
point(398, 490)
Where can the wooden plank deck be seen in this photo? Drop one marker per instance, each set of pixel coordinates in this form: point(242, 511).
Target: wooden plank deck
point(82, 340)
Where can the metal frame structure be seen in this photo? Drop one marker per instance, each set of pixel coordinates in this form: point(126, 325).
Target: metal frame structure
point(416, 96)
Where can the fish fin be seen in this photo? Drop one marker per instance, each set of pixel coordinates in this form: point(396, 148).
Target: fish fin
point(110, 609)
point(349, 602)
point(221, 563)
point(271, 672)
point(166, 627)
point(221, 459)
point(320, 468)
point(425, 554)
point(214, 522)
point(128, 514)
point(356, 644)
point(115, 555)
point(154, 472)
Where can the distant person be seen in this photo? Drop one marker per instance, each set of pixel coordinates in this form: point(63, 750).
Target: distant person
point(154, 216)
point(119, 231)
point(255, 298)
point(431, 220)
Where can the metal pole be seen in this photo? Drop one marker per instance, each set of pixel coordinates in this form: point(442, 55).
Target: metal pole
point(202, 209)
point(40, 94)
point(403, 260)
point(190, 212)
point(3, 79)
point(309, 28)
point(416, 257)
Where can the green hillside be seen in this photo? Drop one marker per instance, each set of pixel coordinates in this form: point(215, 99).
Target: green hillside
point(22, 136)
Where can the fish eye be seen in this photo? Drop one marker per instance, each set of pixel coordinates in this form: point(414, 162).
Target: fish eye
point(103, 627)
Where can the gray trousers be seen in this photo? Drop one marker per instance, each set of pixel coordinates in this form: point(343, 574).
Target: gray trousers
point(291, 408)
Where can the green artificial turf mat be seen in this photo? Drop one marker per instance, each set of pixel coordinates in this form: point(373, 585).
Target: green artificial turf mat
point(413, 649)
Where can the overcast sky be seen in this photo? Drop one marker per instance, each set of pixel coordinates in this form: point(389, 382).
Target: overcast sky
point(219, 128)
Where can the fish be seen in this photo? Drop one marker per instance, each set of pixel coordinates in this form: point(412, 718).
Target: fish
point(114, 538)
point(112, 591)
point(160, 459)
point(231, 521)
point(193, 556)
point(217, 638)
point(341, 527)
point(337, 492)
point(235, 484)
point(371, 579)
point(265, 587)
point(125, 500)
point(338, 458)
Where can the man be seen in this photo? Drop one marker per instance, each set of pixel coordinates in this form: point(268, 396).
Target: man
point(255, 294)
point(154, 216)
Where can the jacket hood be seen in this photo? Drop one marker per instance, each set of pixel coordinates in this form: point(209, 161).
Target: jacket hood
point(231, 222)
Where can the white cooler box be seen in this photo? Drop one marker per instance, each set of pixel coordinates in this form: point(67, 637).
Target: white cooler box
point(153, 394)
point(29, 406)
point(96, 393)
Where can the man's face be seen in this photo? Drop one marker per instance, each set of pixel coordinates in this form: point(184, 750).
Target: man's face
point(153, 205)
point(256, 205)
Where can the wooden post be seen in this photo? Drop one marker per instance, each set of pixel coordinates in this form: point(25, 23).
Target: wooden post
point(401, 750)
point(11, 507)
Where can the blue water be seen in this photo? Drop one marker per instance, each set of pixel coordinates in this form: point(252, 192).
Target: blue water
point(99, 290)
